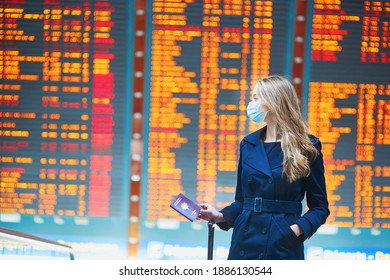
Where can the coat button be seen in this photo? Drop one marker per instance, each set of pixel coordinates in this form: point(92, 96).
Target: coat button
point(260, 255)
point(246, 228)
point(264, 230)
point(250, 179)
point(270, 181)
point(242, 253)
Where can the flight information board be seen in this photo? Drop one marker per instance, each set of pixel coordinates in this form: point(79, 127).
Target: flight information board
point(347, 102)
point(348, 105)
point(64, 111)
point(65, 80)
point(205, 57)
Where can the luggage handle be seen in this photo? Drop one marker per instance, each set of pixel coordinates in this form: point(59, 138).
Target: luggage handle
point(210, 245)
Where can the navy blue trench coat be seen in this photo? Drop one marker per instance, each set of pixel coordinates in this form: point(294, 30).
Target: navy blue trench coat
point(266, 205)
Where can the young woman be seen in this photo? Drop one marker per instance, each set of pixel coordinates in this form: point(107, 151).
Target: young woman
point(279, 165)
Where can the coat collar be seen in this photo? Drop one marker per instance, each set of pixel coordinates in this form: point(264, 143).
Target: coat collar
point(256, 137)
point(257, 158)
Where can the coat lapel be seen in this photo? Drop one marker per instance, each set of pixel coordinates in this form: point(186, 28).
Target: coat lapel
point(257, 158)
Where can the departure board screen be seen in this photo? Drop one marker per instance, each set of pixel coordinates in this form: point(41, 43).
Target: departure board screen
point(63, 115)
point(205, 56)
point(347, 81)
point(66, 74)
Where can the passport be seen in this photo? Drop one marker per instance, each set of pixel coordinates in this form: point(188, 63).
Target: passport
point(185, 207)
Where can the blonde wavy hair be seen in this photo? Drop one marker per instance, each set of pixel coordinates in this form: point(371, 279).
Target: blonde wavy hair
point(279, 95)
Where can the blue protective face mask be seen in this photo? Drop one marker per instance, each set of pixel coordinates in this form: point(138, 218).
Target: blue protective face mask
point(254, 112)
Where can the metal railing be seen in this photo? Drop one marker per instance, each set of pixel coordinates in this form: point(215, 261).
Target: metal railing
point(15, 244)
